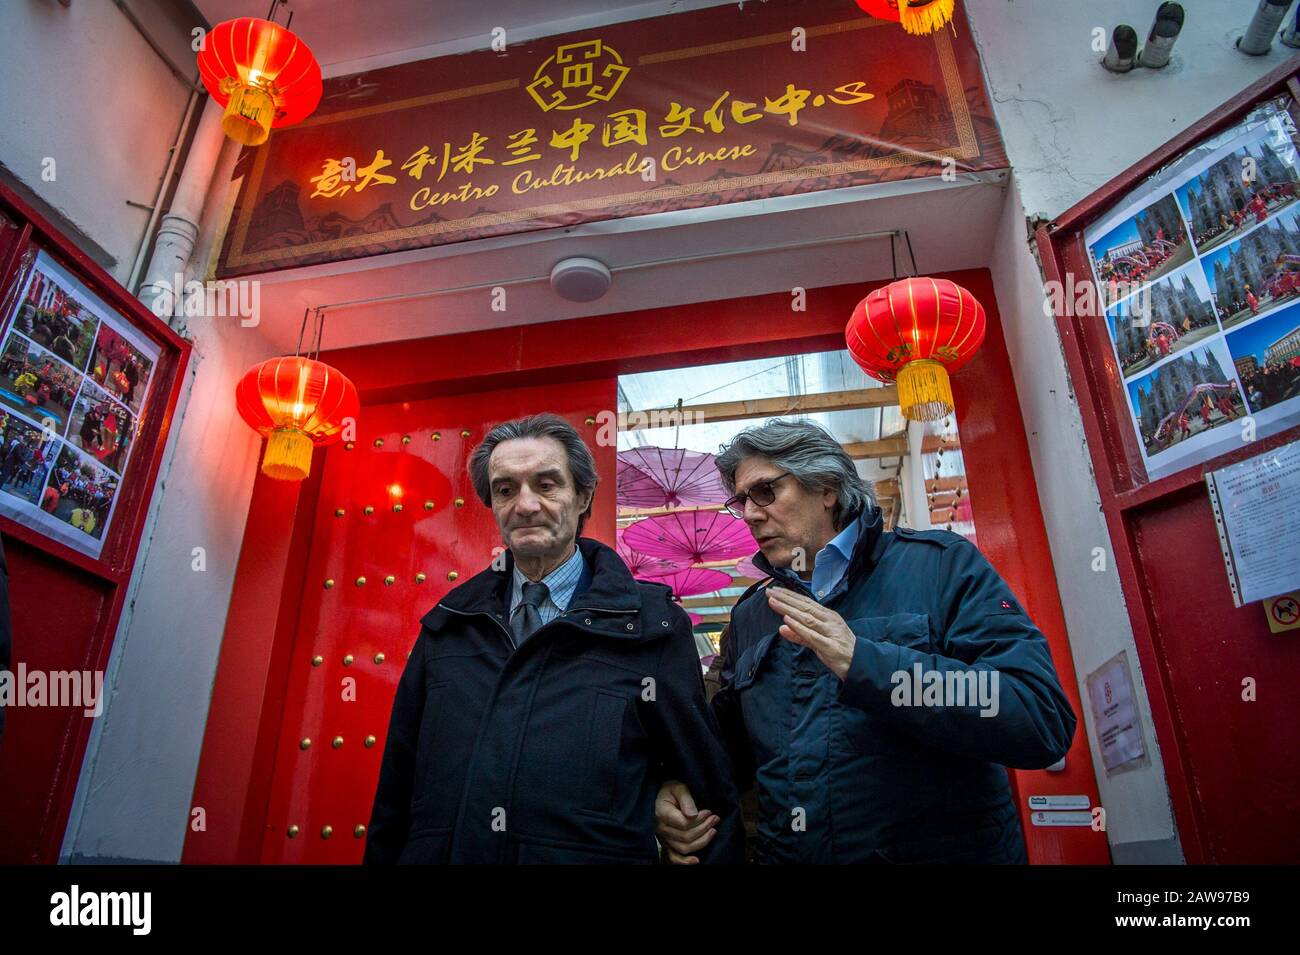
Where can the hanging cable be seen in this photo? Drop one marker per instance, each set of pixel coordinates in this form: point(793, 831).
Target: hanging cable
point(320, 329)
point(301, 331)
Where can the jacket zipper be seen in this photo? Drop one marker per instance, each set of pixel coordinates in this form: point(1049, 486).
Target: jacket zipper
point(510, 640)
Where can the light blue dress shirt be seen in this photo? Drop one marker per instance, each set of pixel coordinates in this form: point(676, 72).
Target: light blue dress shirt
point(561, 583)
point(833, 560)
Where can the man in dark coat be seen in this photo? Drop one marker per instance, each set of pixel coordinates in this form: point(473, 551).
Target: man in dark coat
point(549, 697)
point(877, 685)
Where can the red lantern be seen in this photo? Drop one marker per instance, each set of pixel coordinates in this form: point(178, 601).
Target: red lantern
point(296, 403)
point(917, 331)
point(262, 74)
point(916, 16)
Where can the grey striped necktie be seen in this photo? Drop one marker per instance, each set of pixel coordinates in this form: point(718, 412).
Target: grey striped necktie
point(527, 617)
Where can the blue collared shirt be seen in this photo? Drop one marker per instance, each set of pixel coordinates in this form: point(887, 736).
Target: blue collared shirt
point(561, 582)
point(833, 560)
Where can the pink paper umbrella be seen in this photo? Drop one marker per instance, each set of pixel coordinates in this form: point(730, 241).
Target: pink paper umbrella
point(692, 537)
point(681, 478)
point(747, 568)
point(693, 580)
point(643, 565)
point(636, 488)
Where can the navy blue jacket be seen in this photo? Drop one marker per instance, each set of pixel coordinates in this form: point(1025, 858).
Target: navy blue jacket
point(552, 752)
point(846, 775)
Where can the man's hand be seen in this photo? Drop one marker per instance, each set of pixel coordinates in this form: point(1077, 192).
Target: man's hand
point(681, 827)
point(810, 624)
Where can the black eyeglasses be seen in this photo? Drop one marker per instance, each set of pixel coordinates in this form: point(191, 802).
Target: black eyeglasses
point(761, 494)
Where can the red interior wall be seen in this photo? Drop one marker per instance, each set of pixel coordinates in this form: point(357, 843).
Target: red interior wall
point(231, 786)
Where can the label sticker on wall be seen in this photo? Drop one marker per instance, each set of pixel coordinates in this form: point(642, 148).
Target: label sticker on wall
point(1061, 818)
point(1059, 802)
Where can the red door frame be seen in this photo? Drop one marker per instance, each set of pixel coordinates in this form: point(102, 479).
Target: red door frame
point(65, 604)
point(233, 782)
point(1116, 459)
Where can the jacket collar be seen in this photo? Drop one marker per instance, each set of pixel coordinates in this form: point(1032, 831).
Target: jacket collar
point(612, 590)
point(865, 556)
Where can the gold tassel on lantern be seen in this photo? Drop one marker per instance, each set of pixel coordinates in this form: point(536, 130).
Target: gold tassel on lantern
point(924, 393)
point(248, 116)
point(288, 455)
point(921, 18)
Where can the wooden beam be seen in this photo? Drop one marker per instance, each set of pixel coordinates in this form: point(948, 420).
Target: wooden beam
point(882, 397)
point(942, 500)
point(934, 442)
point(636, 513)
point(895, 447)
point(689, 602)
point(715, 618)
point(946, 484)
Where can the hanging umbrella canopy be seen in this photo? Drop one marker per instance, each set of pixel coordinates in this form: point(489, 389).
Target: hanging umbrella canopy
point(635, 487)
point(678, 478)
point(692, 537)
point(747, 568)
point(643, 565)
point(693, 580)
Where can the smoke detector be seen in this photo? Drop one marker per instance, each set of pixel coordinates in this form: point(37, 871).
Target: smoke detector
point(580, 279)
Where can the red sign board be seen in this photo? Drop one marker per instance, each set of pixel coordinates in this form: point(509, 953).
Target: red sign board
point(694, 109)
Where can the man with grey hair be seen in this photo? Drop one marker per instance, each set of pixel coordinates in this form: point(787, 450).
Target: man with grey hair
point(547, 698)
point(876, 684)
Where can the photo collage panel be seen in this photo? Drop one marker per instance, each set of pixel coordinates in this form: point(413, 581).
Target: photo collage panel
point(1199, 276)
point(74, 377)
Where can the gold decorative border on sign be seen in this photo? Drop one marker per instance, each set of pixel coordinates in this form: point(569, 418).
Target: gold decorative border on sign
point(967, 146)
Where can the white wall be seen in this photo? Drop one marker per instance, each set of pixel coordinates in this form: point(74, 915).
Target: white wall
point(132, 801)
point(83, 88)
point(1140, 824)
point(137, 777)
point(1069, 127)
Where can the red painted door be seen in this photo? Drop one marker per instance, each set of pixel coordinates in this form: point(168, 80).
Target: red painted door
point(396, 526)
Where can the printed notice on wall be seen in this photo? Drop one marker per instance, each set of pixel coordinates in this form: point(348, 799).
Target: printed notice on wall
point(1114, 716)
point(1257, 508)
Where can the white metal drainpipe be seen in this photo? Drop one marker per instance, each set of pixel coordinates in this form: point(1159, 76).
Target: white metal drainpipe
point(179, 228)
point(912, 486)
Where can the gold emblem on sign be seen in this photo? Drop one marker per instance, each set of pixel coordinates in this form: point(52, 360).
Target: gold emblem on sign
point(578, 75)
